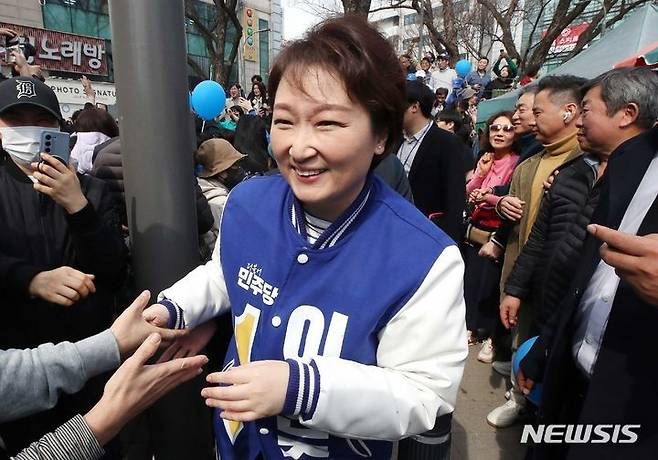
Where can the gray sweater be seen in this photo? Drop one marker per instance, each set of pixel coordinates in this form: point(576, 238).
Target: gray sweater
point(31, 381)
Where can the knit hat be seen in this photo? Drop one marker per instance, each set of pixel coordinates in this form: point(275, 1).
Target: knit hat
point(217, 155)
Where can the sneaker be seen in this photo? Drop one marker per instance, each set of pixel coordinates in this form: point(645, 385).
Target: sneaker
point(507, 414)
point(504, 368)
point(508, 394)
point(486, 352)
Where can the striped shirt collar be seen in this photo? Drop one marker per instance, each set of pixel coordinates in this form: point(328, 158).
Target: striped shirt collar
point(338, 228)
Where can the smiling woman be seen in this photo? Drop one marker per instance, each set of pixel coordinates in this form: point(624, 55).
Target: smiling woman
point(347, 302)
point(494, 168)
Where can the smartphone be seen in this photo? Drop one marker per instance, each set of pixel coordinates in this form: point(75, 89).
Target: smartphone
point(56, 143)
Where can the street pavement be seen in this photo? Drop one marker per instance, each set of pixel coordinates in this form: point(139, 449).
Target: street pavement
point(482, 389)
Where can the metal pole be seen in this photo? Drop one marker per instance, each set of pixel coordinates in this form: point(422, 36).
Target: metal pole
point(148, 39)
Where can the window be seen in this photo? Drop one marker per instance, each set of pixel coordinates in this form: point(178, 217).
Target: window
point(410, 19)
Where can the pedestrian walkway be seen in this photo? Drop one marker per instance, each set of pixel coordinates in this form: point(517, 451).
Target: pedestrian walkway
point(481, 390)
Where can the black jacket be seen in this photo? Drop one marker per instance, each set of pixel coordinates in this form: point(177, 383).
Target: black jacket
point(107, 165)
point(437, 180)
point(543, 271)
point(37, 235)
point(622, 389)
point(391, 171)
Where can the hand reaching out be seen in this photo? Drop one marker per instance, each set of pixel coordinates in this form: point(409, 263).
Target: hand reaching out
point(130, 329)
point(136, 385)
point(192, 343)
point(634, 258)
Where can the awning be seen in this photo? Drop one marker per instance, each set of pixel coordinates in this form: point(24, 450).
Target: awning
point(646, 57)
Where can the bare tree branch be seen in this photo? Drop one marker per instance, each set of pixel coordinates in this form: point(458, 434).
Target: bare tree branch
point(196, 68)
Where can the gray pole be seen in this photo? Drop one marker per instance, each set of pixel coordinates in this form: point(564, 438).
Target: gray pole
point(148, 41)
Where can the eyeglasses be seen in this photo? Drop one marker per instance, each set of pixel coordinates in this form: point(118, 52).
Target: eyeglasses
point(496, 128)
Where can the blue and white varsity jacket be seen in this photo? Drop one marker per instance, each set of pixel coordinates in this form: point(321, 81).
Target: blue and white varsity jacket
point(370, 319)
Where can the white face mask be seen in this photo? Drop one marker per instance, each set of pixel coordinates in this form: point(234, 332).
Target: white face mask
point(23, 142)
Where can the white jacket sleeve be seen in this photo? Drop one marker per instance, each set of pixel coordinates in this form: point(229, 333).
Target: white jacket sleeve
point(420, 362)
point(202, 293)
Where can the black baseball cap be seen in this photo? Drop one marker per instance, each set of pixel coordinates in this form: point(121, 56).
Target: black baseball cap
point(28, 91)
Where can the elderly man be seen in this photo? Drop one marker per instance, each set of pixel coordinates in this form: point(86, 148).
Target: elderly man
point(594, 357)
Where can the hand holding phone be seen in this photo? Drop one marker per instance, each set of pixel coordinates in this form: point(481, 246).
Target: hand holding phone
point(56, 143)
point(60, 182)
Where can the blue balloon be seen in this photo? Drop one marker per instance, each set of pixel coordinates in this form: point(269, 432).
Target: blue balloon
point(208, 99)
point(521, 352)
point(463, 67)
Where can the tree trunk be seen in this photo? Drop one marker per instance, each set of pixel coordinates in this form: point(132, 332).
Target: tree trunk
point(360, 7)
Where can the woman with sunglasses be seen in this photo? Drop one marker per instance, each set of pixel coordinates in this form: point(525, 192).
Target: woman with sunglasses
point(481, 278)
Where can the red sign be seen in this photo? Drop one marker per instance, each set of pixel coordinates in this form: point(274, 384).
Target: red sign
point(65, 52)
point(567, 39)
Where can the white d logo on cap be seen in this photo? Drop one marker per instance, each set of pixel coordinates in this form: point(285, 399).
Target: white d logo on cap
point(25, 88)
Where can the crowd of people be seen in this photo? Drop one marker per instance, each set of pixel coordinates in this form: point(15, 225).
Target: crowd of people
point(354, 241)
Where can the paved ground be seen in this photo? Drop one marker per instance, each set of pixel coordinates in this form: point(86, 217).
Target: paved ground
point(481, 390)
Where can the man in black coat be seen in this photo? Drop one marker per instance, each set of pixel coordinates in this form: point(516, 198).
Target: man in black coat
point(595, 358)
point(61, 253)
point(432, 158)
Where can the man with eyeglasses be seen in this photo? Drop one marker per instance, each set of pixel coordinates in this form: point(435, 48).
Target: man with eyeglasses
point(555, 108)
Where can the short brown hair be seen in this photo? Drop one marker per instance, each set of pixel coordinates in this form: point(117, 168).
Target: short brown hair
point(96, 120)
point(365, 62)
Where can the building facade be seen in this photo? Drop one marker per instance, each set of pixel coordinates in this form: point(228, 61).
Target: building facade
point(74, 38)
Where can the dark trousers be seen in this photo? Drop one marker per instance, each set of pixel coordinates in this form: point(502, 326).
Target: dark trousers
point(432, 445)
point(481, 291)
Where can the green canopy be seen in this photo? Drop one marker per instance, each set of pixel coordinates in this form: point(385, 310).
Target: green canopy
point(631, 35)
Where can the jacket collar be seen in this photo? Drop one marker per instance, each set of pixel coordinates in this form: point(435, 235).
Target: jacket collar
point(626, 168)
point(12, 168)
point(340, 226)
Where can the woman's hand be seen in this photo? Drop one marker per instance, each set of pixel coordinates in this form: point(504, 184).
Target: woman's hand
point(192, 343)
point(478, 195)
point(484, 164)
point(136, 385)
point(250, 392)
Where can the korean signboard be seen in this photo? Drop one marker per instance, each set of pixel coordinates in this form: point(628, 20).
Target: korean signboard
point(566, 41)
point(72, 92)
point(250, 46)
point(65, 52)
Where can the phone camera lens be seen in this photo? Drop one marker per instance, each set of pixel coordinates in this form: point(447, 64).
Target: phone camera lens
point(48, 136)
point(48, 143)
